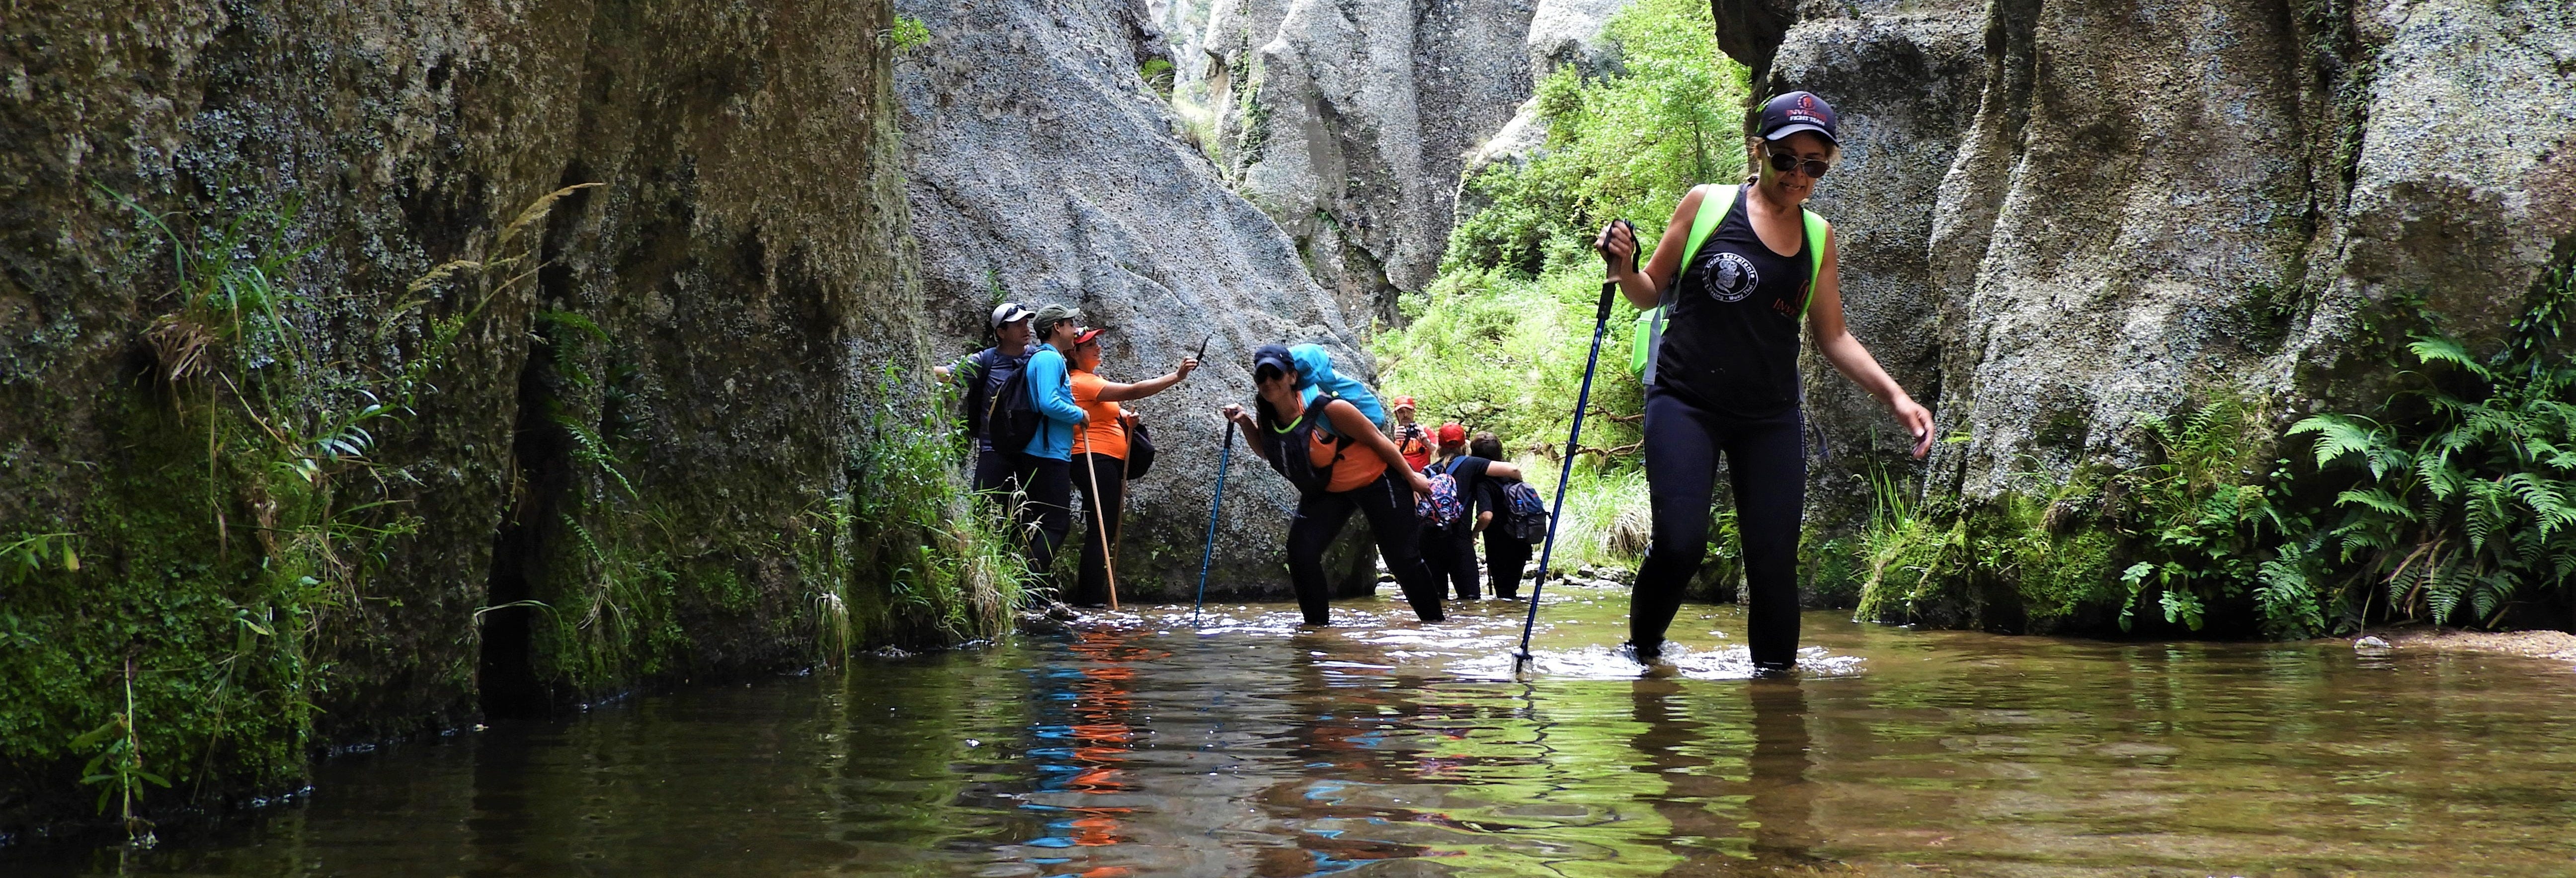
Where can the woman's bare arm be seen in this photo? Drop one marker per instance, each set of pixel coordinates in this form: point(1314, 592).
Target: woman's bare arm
point(1123, 392)
point(1250, 427)
point(1834, 339)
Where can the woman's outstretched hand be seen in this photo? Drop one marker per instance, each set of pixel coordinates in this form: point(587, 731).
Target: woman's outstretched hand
point(1234, 412)
point(1188, 365)
point(1617, 245)
point(1917, 420)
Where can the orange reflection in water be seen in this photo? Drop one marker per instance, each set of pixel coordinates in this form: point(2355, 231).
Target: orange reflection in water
point(1102, 701)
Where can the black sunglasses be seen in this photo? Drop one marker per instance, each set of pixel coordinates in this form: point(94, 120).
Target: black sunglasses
point(1785, 162)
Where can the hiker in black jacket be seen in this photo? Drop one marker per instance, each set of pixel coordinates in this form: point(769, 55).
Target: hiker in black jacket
point(978, 377)
point(1505, 554)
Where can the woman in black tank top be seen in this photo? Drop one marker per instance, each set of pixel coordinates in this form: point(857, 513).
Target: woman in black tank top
point(1731, 340)
point(1726, 377)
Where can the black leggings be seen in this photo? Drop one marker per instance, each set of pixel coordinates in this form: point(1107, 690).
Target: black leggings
point(1389, 507)
point(1092, 588)
point(1048, 509)
point(1505, 555)
point(1450, 553)
point(1769, 472)
point(993, 473)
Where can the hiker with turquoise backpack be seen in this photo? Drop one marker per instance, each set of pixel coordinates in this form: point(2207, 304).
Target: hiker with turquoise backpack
point(1737, 271)
point(1325, 445)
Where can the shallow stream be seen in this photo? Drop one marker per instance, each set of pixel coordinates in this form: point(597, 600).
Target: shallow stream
point(1134, 745)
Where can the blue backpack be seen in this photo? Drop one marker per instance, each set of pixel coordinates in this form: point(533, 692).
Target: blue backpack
point(1527, 517)
point(1315, 375)
point(1442, 505)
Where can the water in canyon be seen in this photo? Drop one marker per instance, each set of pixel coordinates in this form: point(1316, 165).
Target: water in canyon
point(1133, 744)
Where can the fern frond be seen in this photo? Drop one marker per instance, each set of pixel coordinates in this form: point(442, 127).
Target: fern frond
point(2488, 595)
point(2483, 512)
point(2340, 436)
point(2377, 500)
point(2446, 583)
point(2431, 349)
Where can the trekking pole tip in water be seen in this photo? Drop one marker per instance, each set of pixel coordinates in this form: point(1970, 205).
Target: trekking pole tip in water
point(1216, 504)
point(1565, 473)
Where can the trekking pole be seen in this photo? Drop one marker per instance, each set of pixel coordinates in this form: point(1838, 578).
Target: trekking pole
point(1582, 400)
point(1107, 563)
point(1209, 554)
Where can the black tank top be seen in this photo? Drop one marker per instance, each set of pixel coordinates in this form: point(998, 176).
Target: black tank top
point(1731, 342)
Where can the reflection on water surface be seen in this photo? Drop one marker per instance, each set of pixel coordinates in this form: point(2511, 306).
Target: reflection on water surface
point(1134, 746)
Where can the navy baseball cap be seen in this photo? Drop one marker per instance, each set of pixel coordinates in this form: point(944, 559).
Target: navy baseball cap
point(1272, 356)
point(1798, 111)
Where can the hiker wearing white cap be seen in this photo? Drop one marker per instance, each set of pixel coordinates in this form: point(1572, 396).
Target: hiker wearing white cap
point(979, 376)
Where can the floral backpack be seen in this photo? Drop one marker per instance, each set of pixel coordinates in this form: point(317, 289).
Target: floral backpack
point(1442, 505)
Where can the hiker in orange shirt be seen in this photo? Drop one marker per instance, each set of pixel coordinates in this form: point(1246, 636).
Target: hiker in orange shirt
point(1410, 439)
point(1100, 458)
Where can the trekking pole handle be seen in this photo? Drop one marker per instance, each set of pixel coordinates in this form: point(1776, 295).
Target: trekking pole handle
point(1610, 288)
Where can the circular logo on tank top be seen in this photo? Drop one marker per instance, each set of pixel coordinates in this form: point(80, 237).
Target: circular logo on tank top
point(1730, 277)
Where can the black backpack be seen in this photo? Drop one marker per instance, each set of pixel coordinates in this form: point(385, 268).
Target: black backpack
point(1140, 449)
point(1011, 418)
point(1524, 515)
point(977, 368)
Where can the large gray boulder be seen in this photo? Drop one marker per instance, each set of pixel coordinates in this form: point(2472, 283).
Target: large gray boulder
point(1348, 122)
point(1563, 32)
point(2061, 217)
point(1045, 169)
point(704, 325)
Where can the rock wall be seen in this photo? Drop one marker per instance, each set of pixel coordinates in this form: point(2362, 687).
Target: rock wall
point(1348, 121)
point(2059, 217)
point(1045, 169)
point(634, 435)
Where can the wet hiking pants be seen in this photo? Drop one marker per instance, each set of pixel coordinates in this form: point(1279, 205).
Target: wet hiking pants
point(1767, 464)
point(1450, 552)
point(1091, 589)
point(1048, 510)
point(1388, 504)
point(1505, 555)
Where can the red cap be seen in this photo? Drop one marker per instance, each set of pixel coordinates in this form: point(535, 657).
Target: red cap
point(1403, 402)
point(1452, 434)
point(1087, 335)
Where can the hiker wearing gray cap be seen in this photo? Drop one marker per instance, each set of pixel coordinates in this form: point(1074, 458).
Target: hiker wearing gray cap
point(1046, 456)
point(1738, 273)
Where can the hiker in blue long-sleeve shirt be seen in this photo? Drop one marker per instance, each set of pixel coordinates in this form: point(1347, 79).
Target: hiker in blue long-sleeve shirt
point(1048, 476)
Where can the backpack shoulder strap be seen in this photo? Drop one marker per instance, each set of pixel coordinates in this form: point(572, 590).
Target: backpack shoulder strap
point(1817, 230)
point(1703, 223)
